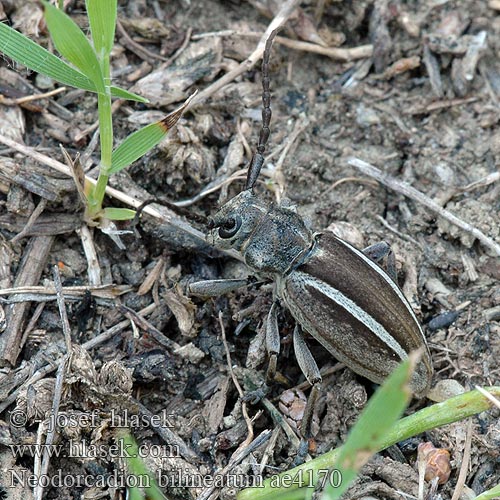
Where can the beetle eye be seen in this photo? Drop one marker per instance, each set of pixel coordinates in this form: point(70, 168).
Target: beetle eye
point(230, 227)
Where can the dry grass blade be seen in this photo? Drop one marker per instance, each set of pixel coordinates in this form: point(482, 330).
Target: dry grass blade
point(62, 308)
point(486, 394)
point(462, 476)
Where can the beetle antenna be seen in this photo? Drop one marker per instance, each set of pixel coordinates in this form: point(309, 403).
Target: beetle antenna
point(258, 157)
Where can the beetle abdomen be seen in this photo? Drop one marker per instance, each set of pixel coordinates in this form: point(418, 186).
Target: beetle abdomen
point(354, 309)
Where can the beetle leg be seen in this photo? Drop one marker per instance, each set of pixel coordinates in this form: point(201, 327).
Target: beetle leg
point(311, 371)
point(273, 345)
point(377, 252)
point(213, 288)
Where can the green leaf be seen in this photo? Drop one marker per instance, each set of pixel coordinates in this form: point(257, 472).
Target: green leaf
point(125, 94)
point(377, 419)
point(28, 53)
point(490, 494)
point(144, 139)
point(113, 213)
point(136, 467)
point(71, 42)
point(136, 145)
point(102, 18)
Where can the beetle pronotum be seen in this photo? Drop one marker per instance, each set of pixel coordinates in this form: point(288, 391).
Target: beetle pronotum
point(335, 292)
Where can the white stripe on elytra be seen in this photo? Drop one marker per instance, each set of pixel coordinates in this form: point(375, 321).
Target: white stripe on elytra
point(388, 280)
point(352, 308)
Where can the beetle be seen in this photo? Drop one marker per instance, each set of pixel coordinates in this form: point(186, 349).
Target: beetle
point(336, 292)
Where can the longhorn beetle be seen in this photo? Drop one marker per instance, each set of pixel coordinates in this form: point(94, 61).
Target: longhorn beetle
point(335, 292)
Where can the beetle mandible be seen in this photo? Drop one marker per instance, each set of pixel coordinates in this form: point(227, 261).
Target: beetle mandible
point(337, 293)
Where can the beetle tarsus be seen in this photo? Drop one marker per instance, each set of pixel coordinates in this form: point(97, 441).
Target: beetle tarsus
point(254, 397)
point(302, 451)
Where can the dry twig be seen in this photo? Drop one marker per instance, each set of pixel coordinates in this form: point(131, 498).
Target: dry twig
point(137, 48)
point(62, 308)
point(414, 194)
point(163, 214)
point(32, 219)
point(339, 54)
point(61, 371)
point(248, 420)
point(51, 434)
point(462, 476)
point(489, 396)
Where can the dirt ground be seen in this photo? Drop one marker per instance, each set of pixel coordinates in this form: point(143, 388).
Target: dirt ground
point(422, 105)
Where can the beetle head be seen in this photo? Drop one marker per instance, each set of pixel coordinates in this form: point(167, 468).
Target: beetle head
point(234, 223)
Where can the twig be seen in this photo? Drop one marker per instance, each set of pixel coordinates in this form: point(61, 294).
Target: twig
point(340, 54)
point(279, 419)
point(281, 17)
point(137, 47)
point(248, 420)
point(486, 394)
point(62, 308)
point(359, 180)
point(409, 191)
point(47, 292)
point(32, 219)
point(35, 97)
point(111, 332)
point(168, 435)
point(180, 50)
point(484, 181)
point(300, 126)
point(93, 268)
point(145, 325)
point(32, 322)
point(462, 476)
point(51, 434)
point(403, 236)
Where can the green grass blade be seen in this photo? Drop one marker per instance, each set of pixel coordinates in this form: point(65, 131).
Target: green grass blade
point(137, 468)
point(490, 494)
point(102, 18)
point(136, 145)
point(113, 213)
point(452, 410)
point(144, 139)
point(365, 438)
point(125, 94)
point(72, 43)
point(28, 53)
point(377, 419)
